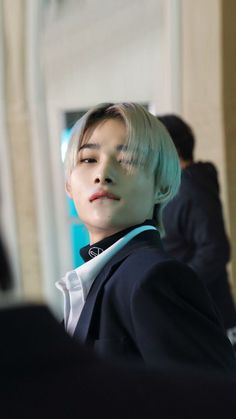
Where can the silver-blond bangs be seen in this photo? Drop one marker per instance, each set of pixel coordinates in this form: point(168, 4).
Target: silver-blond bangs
point(141, 142)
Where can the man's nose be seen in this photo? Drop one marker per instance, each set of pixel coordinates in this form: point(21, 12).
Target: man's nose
point(105, 173)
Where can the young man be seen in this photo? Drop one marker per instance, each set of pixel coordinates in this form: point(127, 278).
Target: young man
point(131, 301)
point(194, 225)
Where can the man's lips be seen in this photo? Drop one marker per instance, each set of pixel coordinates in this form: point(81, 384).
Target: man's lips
point(103, 194)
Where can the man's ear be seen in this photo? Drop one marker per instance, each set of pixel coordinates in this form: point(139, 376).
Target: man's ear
point(161, 195)
point(68, 189)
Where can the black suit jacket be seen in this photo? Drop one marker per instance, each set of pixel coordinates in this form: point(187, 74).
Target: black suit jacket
point(145, 307)
point(45, 374)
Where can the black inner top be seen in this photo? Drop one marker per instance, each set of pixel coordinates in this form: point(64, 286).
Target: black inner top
point(89, 252)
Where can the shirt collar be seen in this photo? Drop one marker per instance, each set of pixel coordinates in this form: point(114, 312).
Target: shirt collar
point(85, 274)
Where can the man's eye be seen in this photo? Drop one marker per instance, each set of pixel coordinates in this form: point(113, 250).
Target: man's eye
point(88, 160)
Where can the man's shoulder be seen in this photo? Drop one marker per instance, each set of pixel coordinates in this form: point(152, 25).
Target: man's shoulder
point(154, 262)
point(146, 256)
point(150, 256)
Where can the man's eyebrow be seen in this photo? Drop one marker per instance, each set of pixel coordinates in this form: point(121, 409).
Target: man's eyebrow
point(93, 146)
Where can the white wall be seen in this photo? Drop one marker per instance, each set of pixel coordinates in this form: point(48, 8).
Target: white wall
point(110, 51)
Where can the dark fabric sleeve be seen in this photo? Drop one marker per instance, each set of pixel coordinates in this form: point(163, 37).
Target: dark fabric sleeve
point(202, 225)
point(175, 323)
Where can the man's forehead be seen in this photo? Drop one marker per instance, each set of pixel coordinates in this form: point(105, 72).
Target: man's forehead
point(106, 127)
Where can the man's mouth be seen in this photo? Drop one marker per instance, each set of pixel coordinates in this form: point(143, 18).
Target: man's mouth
point(103, 194)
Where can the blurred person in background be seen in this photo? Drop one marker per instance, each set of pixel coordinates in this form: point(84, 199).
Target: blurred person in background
point(130, 301)
point(193, 221)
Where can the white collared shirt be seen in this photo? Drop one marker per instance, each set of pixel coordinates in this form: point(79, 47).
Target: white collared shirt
point(75, 285)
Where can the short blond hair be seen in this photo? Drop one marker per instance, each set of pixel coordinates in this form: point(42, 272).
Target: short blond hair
point(147, 141)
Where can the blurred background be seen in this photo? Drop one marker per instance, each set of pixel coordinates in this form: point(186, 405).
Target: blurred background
point(60, 57)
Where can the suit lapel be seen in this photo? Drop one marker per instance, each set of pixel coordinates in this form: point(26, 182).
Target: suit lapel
point(83, 325)
point(145, 239)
